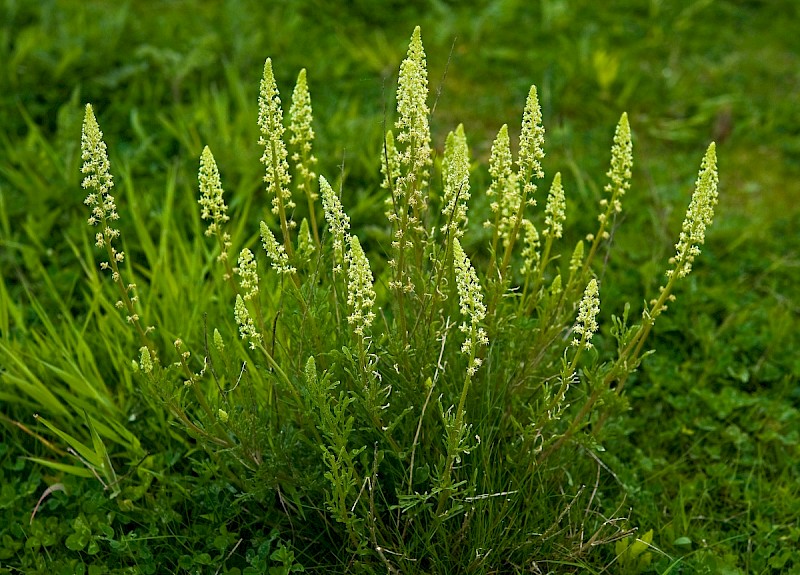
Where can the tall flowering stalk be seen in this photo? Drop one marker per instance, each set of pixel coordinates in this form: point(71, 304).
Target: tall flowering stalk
point(99, 182)
point(473, 313)
point(277, 178)
point(531, 153)
point(699, 215)
point(619, 175)
point(411, 162)
point(301, 139)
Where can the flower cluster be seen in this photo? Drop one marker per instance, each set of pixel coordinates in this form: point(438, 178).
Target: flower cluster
point(211, 202)
point(247, 328)
point(530, 252)
point(212, 205)
point(338, 220)
point(586, 323)
point(360, 291)
point(699, 215)
point(531, 144)
point(471, 305)
point(414, 134)
point(555, 210)
point(302, 134)
point(619, 173)
point(275, 251)
point(98, 179)
point(504, 189)
point(270, 122)
point(455, 166)
point(248, 274)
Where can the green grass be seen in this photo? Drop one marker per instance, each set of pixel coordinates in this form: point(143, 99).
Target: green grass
point(705, 455)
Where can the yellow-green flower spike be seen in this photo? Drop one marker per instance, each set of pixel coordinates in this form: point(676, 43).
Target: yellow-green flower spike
point(302, 134)
point(586, 323)
point(145, 360)
point(699, 215)
point(360, 291)
point(248, 274)
point(473, 310)
point(455, 166)
point(275, 251)
point(305, 242)
point(555, 210)
point(576, 260)
point(338, 220)
point(620, 171)
point(270, 122)
point(247, 328)
point(218, 343)
point(503, 190)
point(530, 252)
point(212, 205)
point(531, 145)
point(413, 131)
point(98, 180)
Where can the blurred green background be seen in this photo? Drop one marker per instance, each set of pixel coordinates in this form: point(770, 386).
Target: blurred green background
point(708, 457)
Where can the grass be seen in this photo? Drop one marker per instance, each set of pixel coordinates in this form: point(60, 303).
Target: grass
point(704, 454)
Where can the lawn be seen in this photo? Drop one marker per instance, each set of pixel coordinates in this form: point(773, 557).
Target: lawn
point(692, 469)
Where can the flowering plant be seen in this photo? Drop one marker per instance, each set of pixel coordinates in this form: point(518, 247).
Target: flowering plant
point(355, 389)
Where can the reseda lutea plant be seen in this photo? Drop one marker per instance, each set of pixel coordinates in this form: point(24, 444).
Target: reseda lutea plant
point(435, 409)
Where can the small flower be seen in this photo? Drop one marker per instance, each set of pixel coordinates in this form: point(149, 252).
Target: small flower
point(301, 130)
point(586, 323)
point(531, 144)
point(270, 122)
point(455, 166)
point(275, 251)
point(699, 215)
point(471, 305)
point(555, 210)
point(247, 328)
point(360, 291)
point(223, 415)
point(338, 220)
point(248, 274)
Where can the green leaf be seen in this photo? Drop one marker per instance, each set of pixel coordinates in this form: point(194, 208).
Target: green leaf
point(682, 541)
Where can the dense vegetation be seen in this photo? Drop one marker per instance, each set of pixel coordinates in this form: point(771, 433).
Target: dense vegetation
point(693, 468)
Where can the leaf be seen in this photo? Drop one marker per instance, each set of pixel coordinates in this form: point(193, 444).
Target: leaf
point(682, 541)
point(63, 467)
